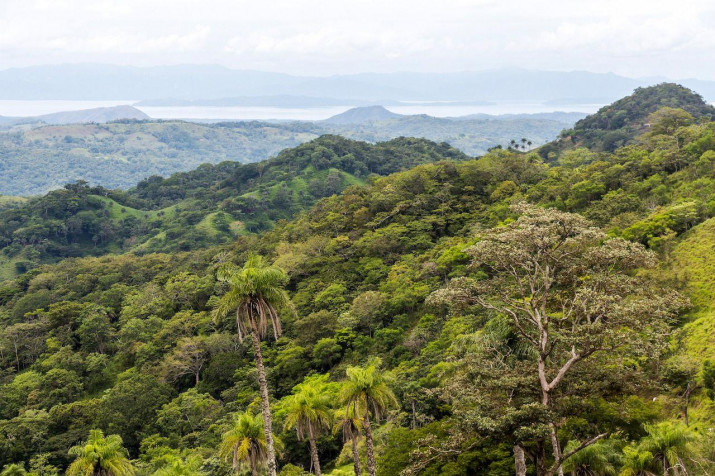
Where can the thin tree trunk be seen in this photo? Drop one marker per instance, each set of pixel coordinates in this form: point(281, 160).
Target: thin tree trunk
point(414, 415)
point(265, 405)
point(313, 450)
point(371, 466)
point(519, 461)
point(356, 457)
point(688, 391)
point(17, 357)
point(557, 452)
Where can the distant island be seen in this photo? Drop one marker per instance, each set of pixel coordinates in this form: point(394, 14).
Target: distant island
point(99, 115)
point(359, 115)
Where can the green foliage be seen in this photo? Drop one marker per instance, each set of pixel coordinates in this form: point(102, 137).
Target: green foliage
point(210, 205)
point(100, 455)
point(616, 125)
point(126, 342)
point(245, 442)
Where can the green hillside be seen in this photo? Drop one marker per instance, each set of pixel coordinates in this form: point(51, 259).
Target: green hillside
point(619, 123)
point(692, 263)
point(120, 154)
point(211, 205)
point(450, 313)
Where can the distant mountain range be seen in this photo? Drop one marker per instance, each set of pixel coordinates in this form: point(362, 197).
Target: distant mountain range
point(280, 100)
point(210, 82)
point(99, 115)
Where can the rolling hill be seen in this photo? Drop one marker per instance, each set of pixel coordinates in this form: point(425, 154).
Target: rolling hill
point(362, 114)
point(209, 205)
point(619, 123)
point(121, 153)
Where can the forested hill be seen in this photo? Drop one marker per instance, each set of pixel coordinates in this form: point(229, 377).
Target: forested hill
point(119, 154)
point(410, 288)
point(619, 123)
point(209, 205)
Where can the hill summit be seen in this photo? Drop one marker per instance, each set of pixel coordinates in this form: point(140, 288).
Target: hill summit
point(617, 124)
point(359, 115)
point(97, 114)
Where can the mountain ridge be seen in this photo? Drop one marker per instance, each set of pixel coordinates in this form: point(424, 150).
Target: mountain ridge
point(194, 82)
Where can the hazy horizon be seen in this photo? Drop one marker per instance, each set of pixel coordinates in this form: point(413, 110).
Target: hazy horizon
point(664, 77)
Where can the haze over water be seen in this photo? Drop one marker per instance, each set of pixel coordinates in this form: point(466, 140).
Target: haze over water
point(20, 108)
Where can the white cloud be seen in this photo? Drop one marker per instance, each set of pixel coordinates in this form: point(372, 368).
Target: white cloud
point(326, 36)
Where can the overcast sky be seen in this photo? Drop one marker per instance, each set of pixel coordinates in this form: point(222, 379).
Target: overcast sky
point(673, 38)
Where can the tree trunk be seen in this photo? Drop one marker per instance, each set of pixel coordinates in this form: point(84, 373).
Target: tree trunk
point(371, 466)
point(414, 415)
point(540, 460)
point(313, 450)
point(265, 405)
point(519, 461)
point(356, 457)
point(688, 391)
point(558, 468)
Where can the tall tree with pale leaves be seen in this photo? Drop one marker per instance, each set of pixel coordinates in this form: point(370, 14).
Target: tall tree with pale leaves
point(566, 295)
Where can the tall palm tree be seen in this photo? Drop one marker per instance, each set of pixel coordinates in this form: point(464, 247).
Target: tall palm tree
point(350, 425)
point(308, 411)
point(255, 294)
point(670, 444)
point(599, 459)
point(100, 456)
point(245, 443)
point(365, 389)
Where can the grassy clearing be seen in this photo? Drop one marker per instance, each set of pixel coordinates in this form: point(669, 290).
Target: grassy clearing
point(693, 263)
point(118, 211)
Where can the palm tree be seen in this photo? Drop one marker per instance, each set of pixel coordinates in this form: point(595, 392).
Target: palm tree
point(598, 459)
point(637, 462)
point(308, 411)
point(177, 466)
point(13, 470)
point(255, 293)
point(365, 389)
point(670, 444)
point(350, 425)
point(100, 456)
point(245, 443)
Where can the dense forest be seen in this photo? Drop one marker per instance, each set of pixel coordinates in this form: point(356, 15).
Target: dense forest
point(619, 123)
point(210, 205)
point(533, 313)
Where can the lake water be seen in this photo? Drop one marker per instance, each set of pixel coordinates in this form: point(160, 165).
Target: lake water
point(438, 109)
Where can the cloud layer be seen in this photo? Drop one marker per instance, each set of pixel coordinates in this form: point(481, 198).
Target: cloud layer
point(631, 37)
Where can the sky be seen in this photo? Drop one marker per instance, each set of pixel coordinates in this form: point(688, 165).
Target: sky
point(636, 38)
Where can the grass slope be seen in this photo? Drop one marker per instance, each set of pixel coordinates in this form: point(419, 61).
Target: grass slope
point(692, 262)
